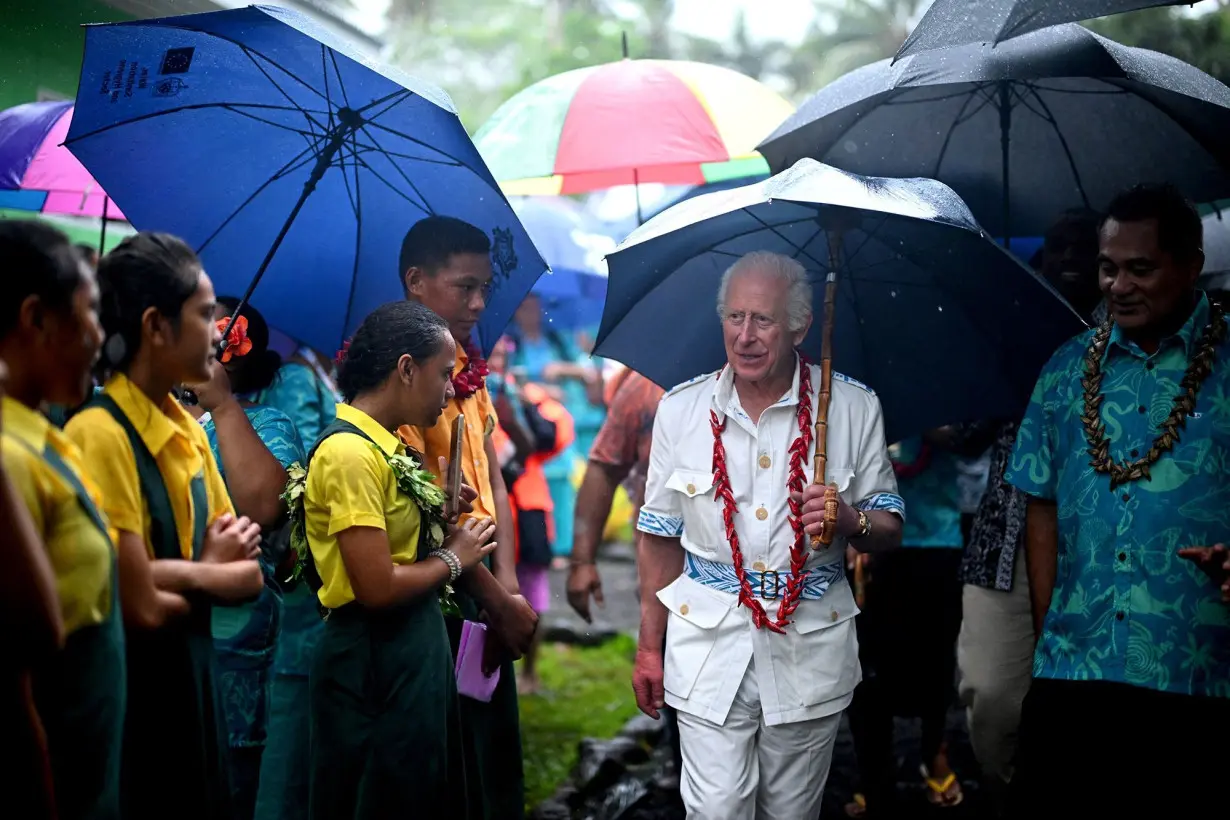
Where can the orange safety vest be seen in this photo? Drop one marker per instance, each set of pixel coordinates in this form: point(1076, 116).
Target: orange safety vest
point(530, 491)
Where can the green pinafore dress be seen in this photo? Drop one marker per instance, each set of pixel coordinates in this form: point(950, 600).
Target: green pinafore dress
point(385, 728)
point(174, 738)
point(80, 694)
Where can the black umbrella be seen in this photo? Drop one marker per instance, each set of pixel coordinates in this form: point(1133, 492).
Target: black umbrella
point(1061, 118)
point(957, 22)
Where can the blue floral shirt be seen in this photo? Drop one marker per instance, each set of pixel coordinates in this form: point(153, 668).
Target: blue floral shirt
point(1126, 608)
point(933, 496)
point(303, 396)
point(247, 635)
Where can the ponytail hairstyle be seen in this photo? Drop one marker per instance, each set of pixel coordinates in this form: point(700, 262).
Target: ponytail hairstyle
point(35, 260)
point(146, 270)
point(255, 370)
point(388, 333)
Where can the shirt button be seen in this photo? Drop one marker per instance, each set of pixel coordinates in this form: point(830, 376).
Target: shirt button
point(1142, 409)
point(1135, 453)
point(765, 461)
point(691, 489)
point(1126, 498)
point(1148, 365)
point(762, 513)
point(1118, 616)
point(683, 610)
point(1123, 556)
point(833, 616)
point(759, 566)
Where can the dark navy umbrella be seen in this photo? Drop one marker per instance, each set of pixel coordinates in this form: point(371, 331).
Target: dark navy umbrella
point(1043, 123)
point(941, 321)
point(291, 162)
point(957, 22)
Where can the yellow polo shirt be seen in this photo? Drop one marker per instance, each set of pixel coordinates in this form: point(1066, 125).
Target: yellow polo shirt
point(434, 442)
point(179, 447)
point(80, 553)
point(349, 484)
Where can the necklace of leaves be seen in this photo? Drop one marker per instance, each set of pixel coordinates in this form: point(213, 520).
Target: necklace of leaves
point(1198, 369)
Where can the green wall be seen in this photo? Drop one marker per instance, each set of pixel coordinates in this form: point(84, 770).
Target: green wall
point(41, 43)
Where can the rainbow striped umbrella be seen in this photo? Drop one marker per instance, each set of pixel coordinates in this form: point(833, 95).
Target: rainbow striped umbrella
point(37, 173)
point(629, 122)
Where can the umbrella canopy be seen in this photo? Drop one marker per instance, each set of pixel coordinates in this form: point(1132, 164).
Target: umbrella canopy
point(958, 22)
point(274, 148)
point(630, 122)
point(37, 173)
point(1053, 120)
point(574, 288)
point(943, 323)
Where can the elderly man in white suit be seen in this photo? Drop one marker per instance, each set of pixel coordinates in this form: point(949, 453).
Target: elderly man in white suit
point(761, 656)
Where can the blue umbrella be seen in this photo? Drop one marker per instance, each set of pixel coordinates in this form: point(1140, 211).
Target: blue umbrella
point(574, 289)
point(941, 321)
point(292, 163)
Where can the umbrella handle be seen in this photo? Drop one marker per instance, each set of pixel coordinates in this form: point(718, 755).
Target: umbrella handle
point(829, 531)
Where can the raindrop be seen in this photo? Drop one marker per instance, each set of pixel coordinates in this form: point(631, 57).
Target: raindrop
point(893, 293)
point(850, 147)
point(941, 308)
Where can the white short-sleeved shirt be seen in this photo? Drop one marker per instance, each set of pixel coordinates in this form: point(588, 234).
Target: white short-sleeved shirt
point(812, 670)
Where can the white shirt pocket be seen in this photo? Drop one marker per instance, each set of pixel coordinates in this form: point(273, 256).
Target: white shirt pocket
point(701, 515)
point(695, 614)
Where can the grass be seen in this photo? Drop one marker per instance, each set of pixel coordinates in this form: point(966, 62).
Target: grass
point(586, 692)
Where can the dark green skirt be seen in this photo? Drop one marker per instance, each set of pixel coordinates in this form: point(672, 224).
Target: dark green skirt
point(80, 695)
point(384, 723)
point(174, 735)
point(492, 738)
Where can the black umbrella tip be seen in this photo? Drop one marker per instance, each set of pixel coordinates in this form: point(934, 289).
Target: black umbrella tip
point(623, 36)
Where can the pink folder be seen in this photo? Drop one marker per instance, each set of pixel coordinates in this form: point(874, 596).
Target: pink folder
point(471, 681)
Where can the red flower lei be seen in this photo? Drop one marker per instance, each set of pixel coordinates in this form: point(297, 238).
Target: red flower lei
point(916, 467)
point(471, 378)
point(794, 483)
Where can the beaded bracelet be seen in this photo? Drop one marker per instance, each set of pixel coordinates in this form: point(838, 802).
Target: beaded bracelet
point(454, 563)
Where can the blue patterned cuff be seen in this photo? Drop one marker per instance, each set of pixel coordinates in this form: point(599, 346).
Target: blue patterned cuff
point(666, 526)
point(888, 502)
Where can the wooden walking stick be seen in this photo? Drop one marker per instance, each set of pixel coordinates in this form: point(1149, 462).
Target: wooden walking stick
point(825, 538)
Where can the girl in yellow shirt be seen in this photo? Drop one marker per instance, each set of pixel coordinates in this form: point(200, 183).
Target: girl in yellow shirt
point(180, 545)
point(384, 723)
point(49, 336)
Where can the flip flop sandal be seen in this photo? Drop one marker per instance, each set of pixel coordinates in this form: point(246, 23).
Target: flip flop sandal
point(945, 792)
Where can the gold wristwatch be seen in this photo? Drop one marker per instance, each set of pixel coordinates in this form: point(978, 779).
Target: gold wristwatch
point(864, 526)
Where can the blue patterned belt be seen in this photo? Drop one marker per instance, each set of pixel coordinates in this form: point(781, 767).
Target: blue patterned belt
point(768, 585)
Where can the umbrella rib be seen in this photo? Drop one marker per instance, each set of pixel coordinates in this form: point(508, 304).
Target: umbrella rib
point(957, 120)
point(896, 100)
point(279, 125)
point(367, 149)
point(422, 206)
point(324, 70)
point(341, 161)
point(1063, 142)
point(297, 162)
point(867, 237)
point(798, 249)
point(282, 91)
point(337, 71)
point(399, 170)
point(408, 138)
point(193, 107)
point(400, 94)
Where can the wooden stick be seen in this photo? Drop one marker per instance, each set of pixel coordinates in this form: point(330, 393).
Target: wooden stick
point(826, 391)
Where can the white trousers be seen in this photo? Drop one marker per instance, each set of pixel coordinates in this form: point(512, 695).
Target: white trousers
point(744, 770)
point(995, 654)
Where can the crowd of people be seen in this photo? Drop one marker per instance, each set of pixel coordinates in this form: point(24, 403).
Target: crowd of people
point(236, 588)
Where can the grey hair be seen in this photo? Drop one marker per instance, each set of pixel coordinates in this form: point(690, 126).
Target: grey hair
point(798, 293)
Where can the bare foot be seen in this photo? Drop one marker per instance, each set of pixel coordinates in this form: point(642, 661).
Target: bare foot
point(528, 684)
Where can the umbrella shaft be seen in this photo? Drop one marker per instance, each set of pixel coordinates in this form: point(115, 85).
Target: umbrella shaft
point(1005, 139)
point(344, 129)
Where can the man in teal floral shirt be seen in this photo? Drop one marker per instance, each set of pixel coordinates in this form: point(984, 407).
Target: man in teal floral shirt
point(1125, 452)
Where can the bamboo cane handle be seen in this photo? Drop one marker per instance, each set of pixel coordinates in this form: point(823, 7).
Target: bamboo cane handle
point(829, 531)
